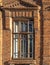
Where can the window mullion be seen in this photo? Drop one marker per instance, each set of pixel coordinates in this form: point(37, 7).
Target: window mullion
point(19, 29)
point(32, 41)
point(32, 47)
point(32, 27)
point(18, 40)
point(15, 48)
point(15, 27)
point(20, 46)
point(28, 42)
point(23, 48)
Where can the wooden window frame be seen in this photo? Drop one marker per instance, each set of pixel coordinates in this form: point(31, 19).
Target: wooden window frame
point(19, 42)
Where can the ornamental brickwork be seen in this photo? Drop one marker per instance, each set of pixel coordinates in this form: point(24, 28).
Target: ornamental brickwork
point(39, 12)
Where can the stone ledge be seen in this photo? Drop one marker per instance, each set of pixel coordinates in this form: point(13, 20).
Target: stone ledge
point(22, 61)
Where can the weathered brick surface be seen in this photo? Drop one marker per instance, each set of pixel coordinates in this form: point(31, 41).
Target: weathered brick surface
point(0, 38)
point(6, 45)
point(42, 37)
point(46, 33)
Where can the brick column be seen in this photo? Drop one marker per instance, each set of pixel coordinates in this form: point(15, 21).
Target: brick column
point(6, 38)
point(37, 35)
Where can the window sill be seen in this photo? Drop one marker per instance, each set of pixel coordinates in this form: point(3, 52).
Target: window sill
point(22, 61)
point(22, 58)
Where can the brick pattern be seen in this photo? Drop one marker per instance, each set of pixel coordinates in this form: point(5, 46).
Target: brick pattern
point(0, 38)
point(46, 33)
point(42, 37)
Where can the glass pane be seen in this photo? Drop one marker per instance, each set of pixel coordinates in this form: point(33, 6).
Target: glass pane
point(30, 47)
point(30, 36)
point(14, 51)
point(16, 35)
point(24, 45)
point(16, 48)
point(13, 26)
point(15, 55)
point(30, 26)
point(24, 27)
point(21, 45)
point(16, 27)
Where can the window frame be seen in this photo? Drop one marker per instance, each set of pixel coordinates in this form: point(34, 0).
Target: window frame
point(19, 42)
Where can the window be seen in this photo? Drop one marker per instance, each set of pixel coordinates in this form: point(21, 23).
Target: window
point(23, 39)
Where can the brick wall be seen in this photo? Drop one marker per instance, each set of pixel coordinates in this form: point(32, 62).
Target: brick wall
point(42, 36)
point(6, 45)
point(46, 32)
point(0, 38)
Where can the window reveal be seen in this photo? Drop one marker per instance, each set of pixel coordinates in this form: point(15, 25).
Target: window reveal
point(23, 35)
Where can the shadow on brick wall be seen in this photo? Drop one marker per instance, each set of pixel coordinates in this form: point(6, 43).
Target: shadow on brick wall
point(6, 63)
